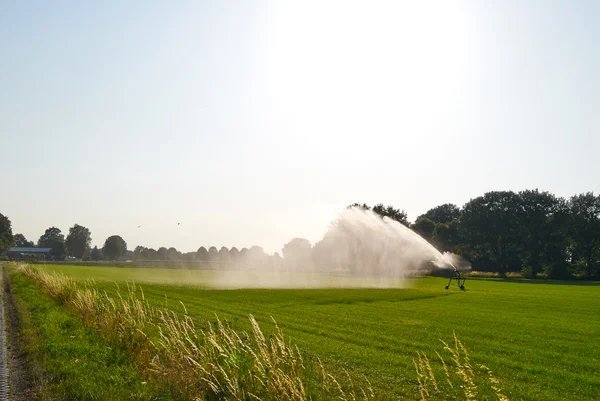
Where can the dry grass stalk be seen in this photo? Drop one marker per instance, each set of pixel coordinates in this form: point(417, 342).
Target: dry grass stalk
point(216, 363)
point(463, 378)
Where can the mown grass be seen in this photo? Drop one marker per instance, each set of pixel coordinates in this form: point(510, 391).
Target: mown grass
point(212, 363)
point(69, 361)
point(540, 339)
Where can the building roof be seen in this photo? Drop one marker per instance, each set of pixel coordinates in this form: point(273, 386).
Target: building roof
point(29, 250)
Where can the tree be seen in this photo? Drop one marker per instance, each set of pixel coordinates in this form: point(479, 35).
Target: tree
point(243, 256)
point(224, 254)
point(424, 227)
point(297, 253)
point(150, 254)
point(446, 236)
point(542, 228)
point(173, 254)
point(7, 240)
point(96, 254)
point(139, 252)
point(162, 253)
point(255, 257)
point(53, 238)
point(445, 213)
point(202, 254)
point(114, 247)
point(234, 254)
point(359, 205)
point(21, 241)
point(78, 241)
point(585, 233)
point(213, 254)
point(391, 212)
point(489, 227)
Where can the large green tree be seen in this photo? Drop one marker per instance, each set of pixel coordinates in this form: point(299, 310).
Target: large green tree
point(424, 227)
point(542, 229)
point(21, 241)
point(78, 241)
point(489, 226)
point(391, 212)
point(7, 240)
point(53, 238)
point(585, 233)
point(444, 214)
point(446, 236)
point(114, 247)
point(440, 226)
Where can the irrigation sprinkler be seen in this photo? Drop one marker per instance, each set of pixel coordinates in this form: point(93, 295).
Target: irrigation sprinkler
point(458, 278)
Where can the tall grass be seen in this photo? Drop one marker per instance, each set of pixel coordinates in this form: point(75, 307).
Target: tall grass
point(459, 378)
point(218, 362)
point(214, 363)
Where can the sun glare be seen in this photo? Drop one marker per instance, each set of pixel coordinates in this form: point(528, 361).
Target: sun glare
point(346, 68)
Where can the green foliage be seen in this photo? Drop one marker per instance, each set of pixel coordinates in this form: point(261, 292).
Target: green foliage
point(424, 227)
point(96, 254)
point(114, 247)
point(79, 240)
point(445, 213)
point(21, 241)
point(360, 205)
point(446, 236)
point(70, 361)
point(53, 238)
point(489, 226)
point(7, 240)
point(542, 228)
point(385, 211)
point(143, 253)
point(533, 232)
point(585, 233)
point(138, 253)
point(391, 212)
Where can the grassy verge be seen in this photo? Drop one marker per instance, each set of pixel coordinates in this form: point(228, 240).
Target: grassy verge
point(213, 363)
point(69, 361)
point(217, 361)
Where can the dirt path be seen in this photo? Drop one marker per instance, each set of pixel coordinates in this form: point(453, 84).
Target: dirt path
point(15, 383)
point(4, 377)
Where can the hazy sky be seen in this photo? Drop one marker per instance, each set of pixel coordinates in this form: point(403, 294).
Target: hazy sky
point(256, 122)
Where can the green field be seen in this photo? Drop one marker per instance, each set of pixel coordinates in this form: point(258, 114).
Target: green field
point(539, 338)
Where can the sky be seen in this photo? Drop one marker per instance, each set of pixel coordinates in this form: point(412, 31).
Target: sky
point(255, 122)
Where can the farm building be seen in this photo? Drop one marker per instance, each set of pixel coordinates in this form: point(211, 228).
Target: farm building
point(23, 253)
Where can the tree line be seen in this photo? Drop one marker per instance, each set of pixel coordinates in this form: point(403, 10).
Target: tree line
point(77, 243)
point(530, 232)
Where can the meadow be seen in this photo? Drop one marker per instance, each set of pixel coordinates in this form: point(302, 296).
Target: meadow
point(538, 337)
